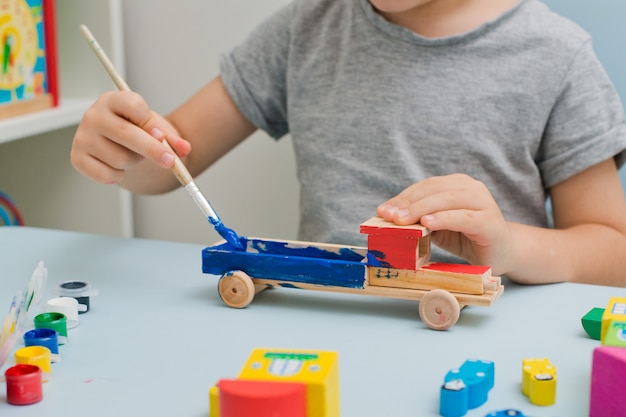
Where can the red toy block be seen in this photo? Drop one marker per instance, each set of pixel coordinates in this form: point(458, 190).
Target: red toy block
point(238, 398)
point(608, 382)
point(393, 246)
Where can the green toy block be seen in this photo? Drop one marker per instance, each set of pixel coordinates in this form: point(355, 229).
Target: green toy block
point(615, 334)
point(592, 322)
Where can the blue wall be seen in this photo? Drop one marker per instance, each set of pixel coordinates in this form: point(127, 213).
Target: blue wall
point(605, 20)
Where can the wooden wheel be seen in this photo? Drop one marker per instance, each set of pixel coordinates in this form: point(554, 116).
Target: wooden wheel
point(236, 289)
point(439, 309)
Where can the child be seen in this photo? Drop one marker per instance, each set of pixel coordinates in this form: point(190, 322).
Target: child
point(464, 115)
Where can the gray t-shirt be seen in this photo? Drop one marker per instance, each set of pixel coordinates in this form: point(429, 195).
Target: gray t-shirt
point(520, 103)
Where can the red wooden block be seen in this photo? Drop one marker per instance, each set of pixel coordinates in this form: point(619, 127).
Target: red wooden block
point(392, 252)
point(396, 246)
point(240, 397)
point(608, 382)
point(457, 268)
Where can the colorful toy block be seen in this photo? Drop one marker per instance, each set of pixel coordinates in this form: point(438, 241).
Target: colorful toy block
point(318, 371)
point(506, 413)
point(394, 246)
point(608, 383)
point(615, 334)
point(241, 397)
point(454, 399)
point(466, 387)
point(592, 322)
point(539, 381)
point(615, 311)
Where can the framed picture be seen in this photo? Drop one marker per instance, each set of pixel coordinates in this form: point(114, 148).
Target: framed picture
point(28, 57)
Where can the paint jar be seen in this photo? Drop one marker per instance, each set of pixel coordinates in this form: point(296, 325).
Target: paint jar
point(68, 306)
point(43, 337)
point(55, 321)
point(24, 384)
point(79, 290)
point(35, 355)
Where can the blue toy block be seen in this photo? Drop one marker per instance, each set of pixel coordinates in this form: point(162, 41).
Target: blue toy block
point(466, 387)
point(506, 413)
point(454, 399)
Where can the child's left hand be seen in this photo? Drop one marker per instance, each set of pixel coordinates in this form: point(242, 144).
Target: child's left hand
point(461, 213)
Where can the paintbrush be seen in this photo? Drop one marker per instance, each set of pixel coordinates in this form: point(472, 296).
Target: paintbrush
point(179, 169)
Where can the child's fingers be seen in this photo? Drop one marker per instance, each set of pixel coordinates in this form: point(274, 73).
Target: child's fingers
point(435, 195)
point(137, 128)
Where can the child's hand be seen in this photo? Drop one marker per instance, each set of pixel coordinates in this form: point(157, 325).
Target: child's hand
point(461, 212)
point(119, 131)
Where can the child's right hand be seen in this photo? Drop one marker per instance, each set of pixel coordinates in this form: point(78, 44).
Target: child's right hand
point(117, 133)
point(463, 216)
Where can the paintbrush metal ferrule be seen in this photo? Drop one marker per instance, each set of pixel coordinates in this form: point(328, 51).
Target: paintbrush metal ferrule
point(200, 200)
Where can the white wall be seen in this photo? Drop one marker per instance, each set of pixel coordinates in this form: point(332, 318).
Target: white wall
point(172, 49)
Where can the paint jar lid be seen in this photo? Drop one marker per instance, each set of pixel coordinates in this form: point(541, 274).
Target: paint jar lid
point(76, 289)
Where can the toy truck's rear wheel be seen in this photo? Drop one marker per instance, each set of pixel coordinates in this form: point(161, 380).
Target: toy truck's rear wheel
point(236, 289)
point(439, 309)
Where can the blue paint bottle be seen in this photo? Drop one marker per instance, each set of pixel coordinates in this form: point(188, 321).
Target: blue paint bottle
point(43, 337)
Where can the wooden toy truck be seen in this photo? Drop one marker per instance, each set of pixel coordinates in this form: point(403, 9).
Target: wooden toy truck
point(395, 264)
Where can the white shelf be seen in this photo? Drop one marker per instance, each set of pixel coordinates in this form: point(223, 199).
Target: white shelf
point(68, 113)
point(35, 168)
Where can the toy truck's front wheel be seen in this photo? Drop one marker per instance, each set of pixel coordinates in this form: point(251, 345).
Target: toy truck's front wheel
point(236, 289)
point(439, 309)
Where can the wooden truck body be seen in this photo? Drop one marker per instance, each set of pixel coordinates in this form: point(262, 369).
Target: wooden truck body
point(393, 265)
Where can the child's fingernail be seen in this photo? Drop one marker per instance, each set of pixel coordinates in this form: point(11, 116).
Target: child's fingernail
point(167, 159)
point(157, 133)
point(427, 219)
point(401, 213)
point(390, 210)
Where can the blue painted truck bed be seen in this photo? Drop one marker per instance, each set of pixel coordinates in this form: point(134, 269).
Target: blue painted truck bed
point(289, 261)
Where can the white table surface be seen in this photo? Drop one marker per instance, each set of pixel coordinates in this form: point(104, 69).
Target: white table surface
point(157, 337)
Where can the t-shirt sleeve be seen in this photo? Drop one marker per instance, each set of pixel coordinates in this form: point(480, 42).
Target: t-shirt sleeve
point(586, 125)
point(254, 74)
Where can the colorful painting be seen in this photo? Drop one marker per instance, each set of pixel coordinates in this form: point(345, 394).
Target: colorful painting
point(23, 56)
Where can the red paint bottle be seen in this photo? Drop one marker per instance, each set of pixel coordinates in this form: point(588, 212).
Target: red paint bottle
point(24, 384)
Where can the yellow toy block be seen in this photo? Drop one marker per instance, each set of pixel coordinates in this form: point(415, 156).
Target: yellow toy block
point(615, 311)
point(539, 381)
point(214, 401)
point(318, 370)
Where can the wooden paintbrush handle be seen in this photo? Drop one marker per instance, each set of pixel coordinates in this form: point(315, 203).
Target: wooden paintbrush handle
point(179, 169)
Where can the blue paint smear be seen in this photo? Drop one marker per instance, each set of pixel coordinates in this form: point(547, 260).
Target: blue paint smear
point(375, 258)
point(279, 261)
point(288, 285)
point(229, 234)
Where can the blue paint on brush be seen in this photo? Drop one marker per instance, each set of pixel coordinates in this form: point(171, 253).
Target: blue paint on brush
point(229, 234)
